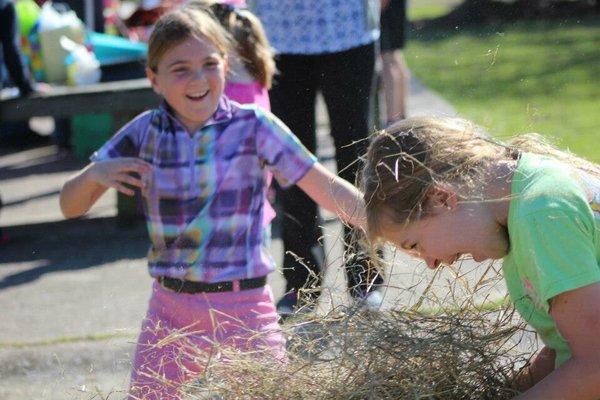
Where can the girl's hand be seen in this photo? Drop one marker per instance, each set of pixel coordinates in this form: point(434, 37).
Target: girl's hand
point(575, 314)
point(117, 173)
point(536, 370)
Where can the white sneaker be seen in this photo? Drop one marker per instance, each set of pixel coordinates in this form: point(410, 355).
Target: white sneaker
point(373, 301)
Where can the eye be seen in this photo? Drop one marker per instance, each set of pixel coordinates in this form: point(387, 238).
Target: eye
point(212, 63)
point(179, 70)
point(409, 246)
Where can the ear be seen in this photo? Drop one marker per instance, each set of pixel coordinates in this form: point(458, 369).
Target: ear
point(153, 81)
point(441, 198)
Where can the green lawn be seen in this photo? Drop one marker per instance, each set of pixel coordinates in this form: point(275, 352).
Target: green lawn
point(524, 77)
point(419, 9)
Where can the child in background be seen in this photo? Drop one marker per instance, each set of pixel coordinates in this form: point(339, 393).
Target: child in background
point(202, 161)
point(440, 189)
point(251, 68)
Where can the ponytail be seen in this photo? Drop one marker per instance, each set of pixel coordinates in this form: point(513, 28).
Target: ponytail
point(251, 43)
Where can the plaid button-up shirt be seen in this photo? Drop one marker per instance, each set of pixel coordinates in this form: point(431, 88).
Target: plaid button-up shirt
point(204, 200)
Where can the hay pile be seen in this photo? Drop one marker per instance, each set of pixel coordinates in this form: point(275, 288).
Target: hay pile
point(461, 353)
point(443, 340)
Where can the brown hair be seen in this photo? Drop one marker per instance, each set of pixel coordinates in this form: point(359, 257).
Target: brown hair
point(404, 161)
point(251, 42)
point(177, 26)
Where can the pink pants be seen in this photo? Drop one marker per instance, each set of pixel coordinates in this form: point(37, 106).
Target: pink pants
point(180, 331)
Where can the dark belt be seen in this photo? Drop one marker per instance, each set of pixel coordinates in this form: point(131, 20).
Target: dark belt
point(181, 286)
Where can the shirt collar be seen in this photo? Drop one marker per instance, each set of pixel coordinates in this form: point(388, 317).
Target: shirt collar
point(223, 113)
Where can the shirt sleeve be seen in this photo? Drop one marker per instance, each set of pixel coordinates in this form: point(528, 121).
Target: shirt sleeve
point(281, 151)
point(558, 251)
point(126, 142)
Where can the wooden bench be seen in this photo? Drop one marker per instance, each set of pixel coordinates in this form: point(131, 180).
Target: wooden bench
point(121, 99)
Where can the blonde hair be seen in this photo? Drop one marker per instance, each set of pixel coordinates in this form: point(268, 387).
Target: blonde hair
point(177, 26)
point(251, 43)
point(405, 160)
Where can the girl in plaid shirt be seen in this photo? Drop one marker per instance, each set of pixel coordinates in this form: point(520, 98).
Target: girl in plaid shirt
point(201, 163)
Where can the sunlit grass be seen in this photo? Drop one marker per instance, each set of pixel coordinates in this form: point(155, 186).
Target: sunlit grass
point(421, 9)
point(522, 77)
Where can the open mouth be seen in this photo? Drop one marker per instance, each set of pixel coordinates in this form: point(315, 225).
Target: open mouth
point(197, 96)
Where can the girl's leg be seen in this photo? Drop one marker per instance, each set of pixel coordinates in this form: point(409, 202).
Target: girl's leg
point(180, 332)
point(158, 369)
point(394, 72)
point(248, 320)
point(162, 361)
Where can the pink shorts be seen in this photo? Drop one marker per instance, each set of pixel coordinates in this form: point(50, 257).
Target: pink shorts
point(180, 331)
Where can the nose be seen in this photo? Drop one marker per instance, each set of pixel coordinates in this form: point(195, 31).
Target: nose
point(432, 263)
point(199, 75)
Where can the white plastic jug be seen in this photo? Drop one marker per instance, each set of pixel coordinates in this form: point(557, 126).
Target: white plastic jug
point(83, 68)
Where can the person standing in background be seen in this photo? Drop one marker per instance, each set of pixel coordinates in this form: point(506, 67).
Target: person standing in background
point(11, 62)
point(327, 46)
point(10, 56)
point(395, 73)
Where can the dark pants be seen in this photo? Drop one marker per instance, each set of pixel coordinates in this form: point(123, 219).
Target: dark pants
point(346, 80)
point(393, 26)
point(12, 69)
point(10, 55)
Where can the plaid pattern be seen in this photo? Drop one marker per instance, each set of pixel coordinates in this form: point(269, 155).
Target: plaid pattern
point(204, 201)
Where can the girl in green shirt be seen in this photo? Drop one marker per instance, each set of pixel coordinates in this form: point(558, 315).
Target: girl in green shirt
point(441, 189)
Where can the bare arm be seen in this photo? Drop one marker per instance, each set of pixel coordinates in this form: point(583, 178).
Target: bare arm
point(334, 194)
point(576, 316)
point(81, 191)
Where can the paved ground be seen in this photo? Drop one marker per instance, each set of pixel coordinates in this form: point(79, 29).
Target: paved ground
point(73, 293)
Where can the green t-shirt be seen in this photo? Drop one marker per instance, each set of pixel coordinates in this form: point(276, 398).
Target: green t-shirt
point(554, 230)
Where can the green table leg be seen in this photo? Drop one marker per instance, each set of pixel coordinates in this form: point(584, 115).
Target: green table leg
point(129, 208)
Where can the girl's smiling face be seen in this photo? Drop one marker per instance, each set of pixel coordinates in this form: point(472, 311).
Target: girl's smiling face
point(448, 231)
point(191, 78)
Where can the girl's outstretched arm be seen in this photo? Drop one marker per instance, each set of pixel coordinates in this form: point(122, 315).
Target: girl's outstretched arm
point(334, 194)
point(576, 316)
point(81, 191)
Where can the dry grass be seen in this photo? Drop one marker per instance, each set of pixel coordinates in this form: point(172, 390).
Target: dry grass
point(458, 351)
point(458, 354)
point(448, 341)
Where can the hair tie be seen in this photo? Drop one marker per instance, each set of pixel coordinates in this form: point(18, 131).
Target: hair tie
point(223, 9)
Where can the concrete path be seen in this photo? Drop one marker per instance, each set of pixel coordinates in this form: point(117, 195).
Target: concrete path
point(73, 293)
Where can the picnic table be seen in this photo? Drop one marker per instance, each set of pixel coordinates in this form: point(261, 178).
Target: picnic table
point(119, 98)
point(122, 99)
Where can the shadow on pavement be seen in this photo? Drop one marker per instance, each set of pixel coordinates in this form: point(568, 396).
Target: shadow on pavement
point(16, 163)
point(38, 249)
